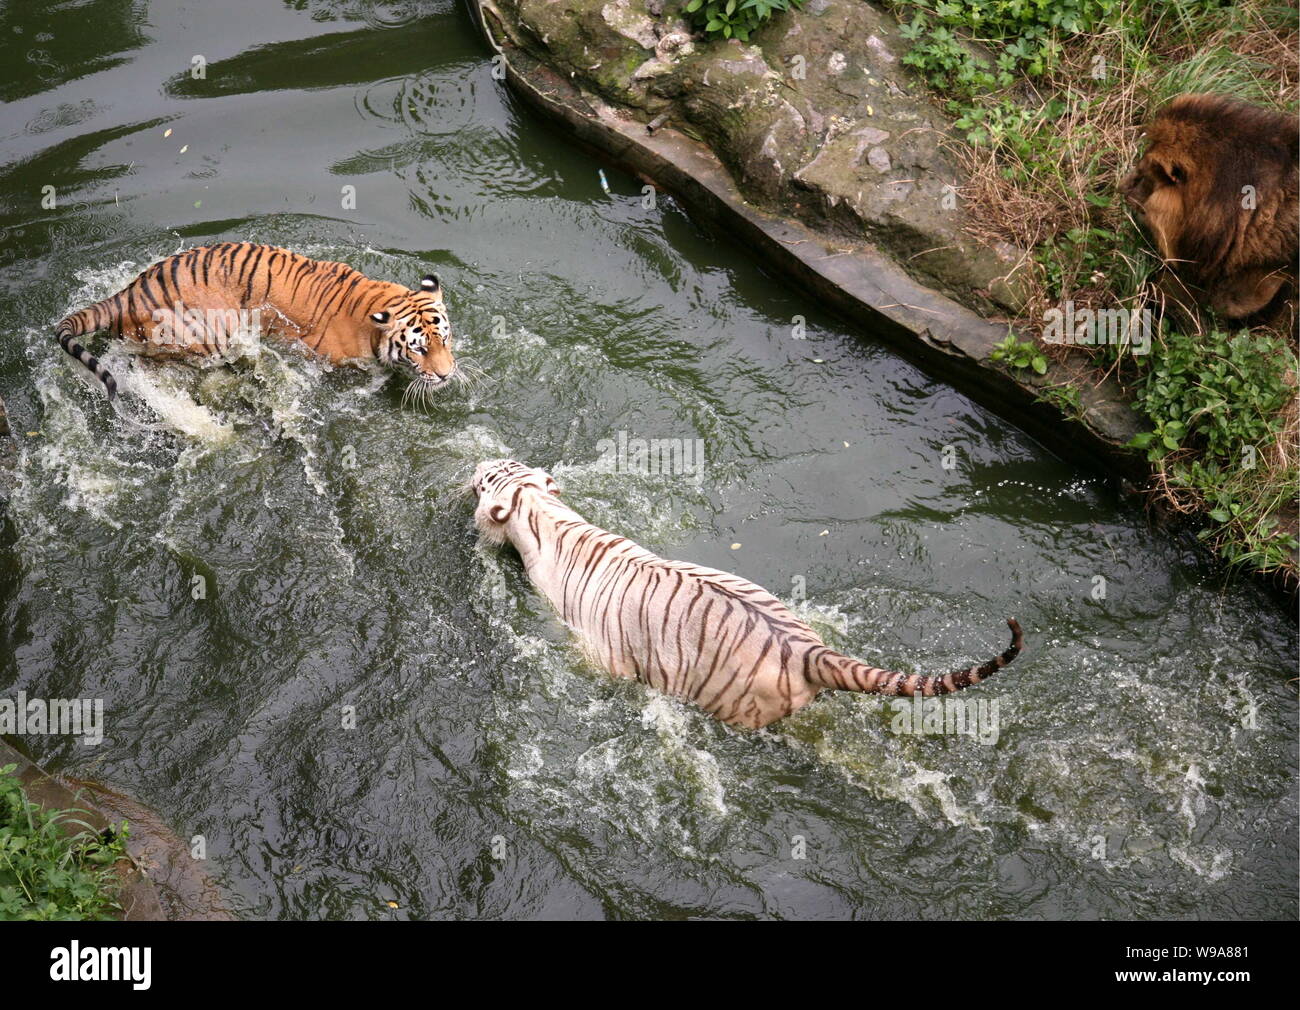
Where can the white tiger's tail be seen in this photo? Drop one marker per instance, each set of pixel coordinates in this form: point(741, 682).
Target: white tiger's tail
point(831, 669)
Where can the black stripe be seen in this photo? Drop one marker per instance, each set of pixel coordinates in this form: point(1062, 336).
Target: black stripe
point(252, 277)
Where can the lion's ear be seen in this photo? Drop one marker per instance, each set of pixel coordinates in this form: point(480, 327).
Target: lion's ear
point(1171, 172)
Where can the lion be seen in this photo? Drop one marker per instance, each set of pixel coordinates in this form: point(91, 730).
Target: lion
point(1217, 190)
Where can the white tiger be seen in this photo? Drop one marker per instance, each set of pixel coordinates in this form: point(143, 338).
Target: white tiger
point(721, 642)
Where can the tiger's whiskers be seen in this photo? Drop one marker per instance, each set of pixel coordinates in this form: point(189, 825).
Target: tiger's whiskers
point(470, 375)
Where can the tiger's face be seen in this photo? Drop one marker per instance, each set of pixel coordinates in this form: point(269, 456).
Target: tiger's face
point(415, 335)
point(502, 486)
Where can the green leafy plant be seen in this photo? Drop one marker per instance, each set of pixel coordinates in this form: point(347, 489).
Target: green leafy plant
point(728, 19)
point(47, 873)
point(1167, 437)
point(1019, 354)
point(1023, 37)
point(1066, 398)
point(1004, 124)
point(1224, 390)
point(1215, 403)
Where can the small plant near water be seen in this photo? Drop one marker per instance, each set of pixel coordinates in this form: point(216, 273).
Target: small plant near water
point(1065, 398)
point(727, 19)
point(1220, 407)
point(45, 873)
point(1019, 354)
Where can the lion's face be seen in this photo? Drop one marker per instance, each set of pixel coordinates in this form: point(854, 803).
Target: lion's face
point(1160, 187)
point(1216, 188)
point(415, 335)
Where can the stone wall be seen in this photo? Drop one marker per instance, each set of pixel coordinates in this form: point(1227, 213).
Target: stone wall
point(816, 117)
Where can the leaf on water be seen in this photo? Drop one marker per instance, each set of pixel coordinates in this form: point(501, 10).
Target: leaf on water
point(167, 132)
point(185, 148)
point(735, 547)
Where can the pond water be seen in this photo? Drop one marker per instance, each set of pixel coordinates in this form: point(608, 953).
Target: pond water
point(1144, 759)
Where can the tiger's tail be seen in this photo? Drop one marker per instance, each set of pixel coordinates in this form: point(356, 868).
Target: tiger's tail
point(88, 320)
point(832, 670)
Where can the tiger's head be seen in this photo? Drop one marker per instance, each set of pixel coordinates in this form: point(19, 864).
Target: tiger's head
point(414, 335)
point(502, 485)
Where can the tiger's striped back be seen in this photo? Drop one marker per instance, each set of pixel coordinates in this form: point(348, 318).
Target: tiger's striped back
point(197, 301)
point(711, 637)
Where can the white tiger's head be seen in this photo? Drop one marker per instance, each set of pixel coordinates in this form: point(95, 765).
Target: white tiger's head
point(502, 486)
point(415, 335)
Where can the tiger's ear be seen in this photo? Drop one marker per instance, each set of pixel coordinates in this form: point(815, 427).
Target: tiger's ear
point(379, 317)
point(431, 284)
point(551, 486)
point(499, 513)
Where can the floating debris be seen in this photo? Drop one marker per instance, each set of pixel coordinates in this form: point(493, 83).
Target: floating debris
point(604, 183)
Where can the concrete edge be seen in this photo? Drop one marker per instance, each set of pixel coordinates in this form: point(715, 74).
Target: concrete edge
point(854, 280)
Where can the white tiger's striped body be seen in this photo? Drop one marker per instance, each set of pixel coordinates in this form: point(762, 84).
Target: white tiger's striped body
point(713, 638)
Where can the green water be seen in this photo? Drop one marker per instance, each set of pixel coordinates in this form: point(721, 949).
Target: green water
point(1145, 764)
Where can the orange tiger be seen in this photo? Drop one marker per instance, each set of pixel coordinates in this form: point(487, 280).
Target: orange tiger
point(195, 301)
